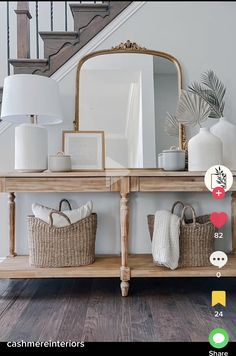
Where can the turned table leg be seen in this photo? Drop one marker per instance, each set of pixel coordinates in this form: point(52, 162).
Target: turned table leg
point(124, 224)
point(233, 221)
point(11, 204)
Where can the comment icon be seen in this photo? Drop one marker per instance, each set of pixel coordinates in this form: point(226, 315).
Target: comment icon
point(218, 259)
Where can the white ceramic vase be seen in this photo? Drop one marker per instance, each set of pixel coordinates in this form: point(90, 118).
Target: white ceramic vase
point(226, 131)
point(204, 150)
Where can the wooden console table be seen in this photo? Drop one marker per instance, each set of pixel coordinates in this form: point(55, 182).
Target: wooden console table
point(125, 182)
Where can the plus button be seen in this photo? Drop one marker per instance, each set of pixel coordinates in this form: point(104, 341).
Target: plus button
point(218, 193)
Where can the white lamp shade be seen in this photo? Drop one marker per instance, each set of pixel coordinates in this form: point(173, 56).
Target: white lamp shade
point(27, 94)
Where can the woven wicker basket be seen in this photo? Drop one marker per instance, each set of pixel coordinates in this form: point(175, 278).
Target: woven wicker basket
point(196, 240)
point(68, 246)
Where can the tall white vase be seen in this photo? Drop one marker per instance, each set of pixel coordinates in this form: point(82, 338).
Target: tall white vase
point(226, 131)
point(204, 150)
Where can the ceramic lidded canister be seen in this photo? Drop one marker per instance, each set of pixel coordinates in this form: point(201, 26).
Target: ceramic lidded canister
point(173, 159)
point(59, 162)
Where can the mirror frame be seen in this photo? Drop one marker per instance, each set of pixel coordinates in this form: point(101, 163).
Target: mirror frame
point(130, 47)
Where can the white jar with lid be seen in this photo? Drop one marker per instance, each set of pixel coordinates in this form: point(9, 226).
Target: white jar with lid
point(173, 159)
point(59, 162)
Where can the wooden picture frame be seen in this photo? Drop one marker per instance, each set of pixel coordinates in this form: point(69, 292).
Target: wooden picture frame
point(86, 148)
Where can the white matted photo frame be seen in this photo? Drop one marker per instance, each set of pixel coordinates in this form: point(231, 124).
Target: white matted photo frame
point(86, 148)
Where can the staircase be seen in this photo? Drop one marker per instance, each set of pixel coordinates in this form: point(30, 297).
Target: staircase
point(60, 46)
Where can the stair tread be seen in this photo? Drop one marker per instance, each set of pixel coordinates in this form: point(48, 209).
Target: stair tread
point(58, 33)
point(28, 60)
point(90, 6)
point(26, 65)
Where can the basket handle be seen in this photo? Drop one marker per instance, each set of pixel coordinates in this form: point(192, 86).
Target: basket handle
point(182, 219)
point(175, 204)
point(64, 201)
point(59, 213)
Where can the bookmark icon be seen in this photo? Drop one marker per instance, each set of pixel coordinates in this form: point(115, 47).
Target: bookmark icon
point(218, 297)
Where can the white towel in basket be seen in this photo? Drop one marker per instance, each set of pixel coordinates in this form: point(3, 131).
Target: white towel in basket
point(165, 242)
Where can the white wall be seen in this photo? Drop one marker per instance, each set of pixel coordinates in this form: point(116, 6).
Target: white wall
point(201, 36)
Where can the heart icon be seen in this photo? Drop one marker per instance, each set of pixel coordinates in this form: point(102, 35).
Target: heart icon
point(219, 219)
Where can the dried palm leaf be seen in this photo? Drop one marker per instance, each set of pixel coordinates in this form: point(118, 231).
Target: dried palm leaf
point(211, 81)
point(171, 125)
point(213, 92)
point(192, 109)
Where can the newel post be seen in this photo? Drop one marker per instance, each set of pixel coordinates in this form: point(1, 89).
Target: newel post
point(23, 29)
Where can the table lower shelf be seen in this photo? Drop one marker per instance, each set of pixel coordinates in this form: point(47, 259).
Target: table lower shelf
point(109, 266)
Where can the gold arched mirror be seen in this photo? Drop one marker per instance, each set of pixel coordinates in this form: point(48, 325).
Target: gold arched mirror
point(126, 92)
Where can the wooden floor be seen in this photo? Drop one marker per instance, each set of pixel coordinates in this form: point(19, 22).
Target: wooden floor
point(166, 309)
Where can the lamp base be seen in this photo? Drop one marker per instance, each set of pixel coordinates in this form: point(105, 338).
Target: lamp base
point(31, 148)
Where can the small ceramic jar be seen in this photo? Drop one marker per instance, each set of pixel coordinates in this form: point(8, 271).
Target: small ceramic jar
point(59, 162)
point(173, 159)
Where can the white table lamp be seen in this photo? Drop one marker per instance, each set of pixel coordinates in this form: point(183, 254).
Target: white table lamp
point(34, 101)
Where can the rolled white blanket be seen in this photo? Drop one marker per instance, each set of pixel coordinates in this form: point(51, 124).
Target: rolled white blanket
point(165, 242)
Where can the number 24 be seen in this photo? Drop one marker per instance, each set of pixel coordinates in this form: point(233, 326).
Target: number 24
point(219, 314)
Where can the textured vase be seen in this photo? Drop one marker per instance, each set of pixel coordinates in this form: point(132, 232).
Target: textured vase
point(31, 148)
point(204, 150)
point(226, 131)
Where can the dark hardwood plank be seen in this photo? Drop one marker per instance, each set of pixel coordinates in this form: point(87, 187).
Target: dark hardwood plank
point(194, 326)
point(142, 323)
point(168, 324)
point(33, 310)
point(107, 318)
point(124, 332)
point(11, 315)
point(9, 292)
point(74, 312)
point(168, 321)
